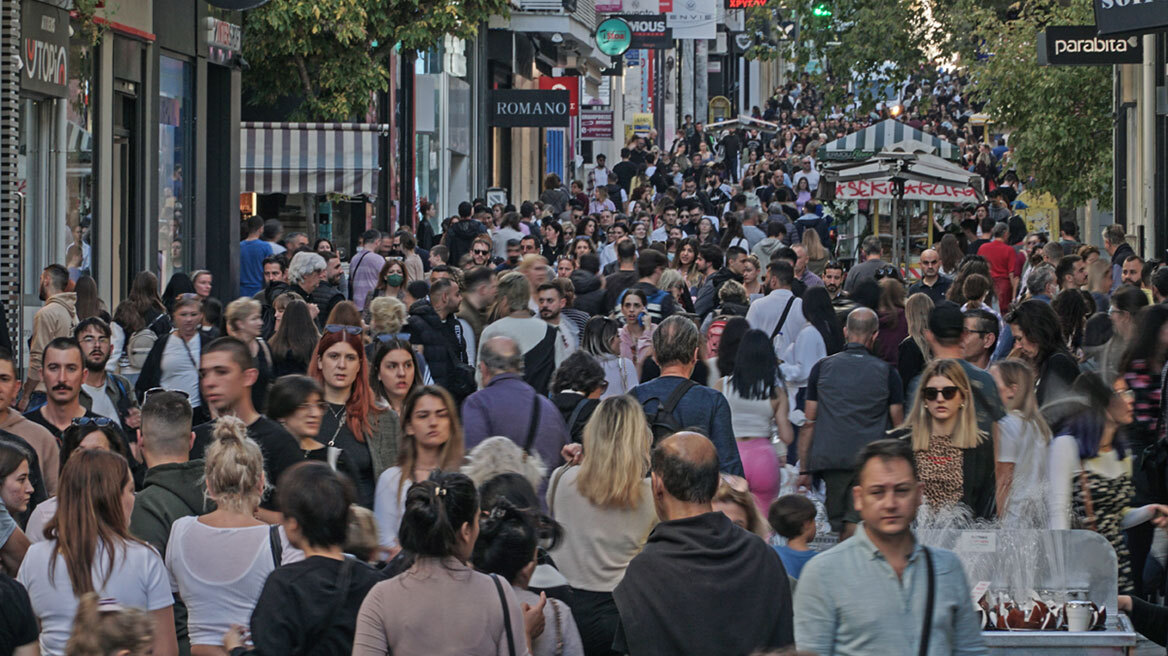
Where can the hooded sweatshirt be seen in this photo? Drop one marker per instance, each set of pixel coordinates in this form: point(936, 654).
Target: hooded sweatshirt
point(590, 295)
point(56, 319)
point(673, 600)
point(765, 248)
point(460, 236)
point(170, 491)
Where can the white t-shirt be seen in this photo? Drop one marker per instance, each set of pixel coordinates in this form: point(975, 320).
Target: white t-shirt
point(220, 572)
point(389, 506)
point(180, 370)
point(1022, 444)
point(101, 402)
point(35, 530)
point(138, 580)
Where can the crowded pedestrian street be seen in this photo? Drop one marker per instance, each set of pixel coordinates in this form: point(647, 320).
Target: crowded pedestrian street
point(583, 328)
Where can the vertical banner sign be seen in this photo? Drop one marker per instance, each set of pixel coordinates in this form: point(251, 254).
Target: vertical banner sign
point(44, 51)
point(570, 84)
point(693, 19)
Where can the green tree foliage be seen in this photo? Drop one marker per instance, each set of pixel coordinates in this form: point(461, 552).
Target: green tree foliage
point(333, 55)
point(1059, 117)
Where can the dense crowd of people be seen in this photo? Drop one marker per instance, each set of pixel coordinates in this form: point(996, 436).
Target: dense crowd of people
point(602, 422)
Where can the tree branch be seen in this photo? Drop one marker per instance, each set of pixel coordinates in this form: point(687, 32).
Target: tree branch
point(305, 79)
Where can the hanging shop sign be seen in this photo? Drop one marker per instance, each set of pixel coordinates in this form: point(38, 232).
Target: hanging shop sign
point(596, 126)
point(1116, 16)
point(528, 108)
point(694, 19)
point(44, 52)
point(614, 37)
point(649, 31)
point(1080, 45)
point(566, 83)
point(634, 6)
point(224, 40)
point(744, 4)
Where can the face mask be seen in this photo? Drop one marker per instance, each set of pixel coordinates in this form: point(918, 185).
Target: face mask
point(394, 279)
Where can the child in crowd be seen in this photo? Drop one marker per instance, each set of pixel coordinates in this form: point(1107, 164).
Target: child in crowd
point(793, 517)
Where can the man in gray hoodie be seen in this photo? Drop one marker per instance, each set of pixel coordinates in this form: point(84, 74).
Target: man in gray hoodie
point(776, 233)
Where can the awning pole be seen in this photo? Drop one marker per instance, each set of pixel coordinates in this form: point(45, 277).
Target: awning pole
point(930, 224)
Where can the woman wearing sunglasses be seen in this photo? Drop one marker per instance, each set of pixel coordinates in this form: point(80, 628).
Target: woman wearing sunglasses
point(353, 423)
point(1090, 468)
point(173, 362)
point(942, 427)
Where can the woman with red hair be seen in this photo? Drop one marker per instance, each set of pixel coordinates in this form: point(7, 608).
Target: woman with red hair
point(352, 422)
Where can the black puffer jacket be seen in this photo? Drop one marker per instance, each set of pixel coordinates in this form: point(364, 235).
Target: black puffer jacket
point(589, 293)
point(444, 346)
point(566, 403)
point(460, 236)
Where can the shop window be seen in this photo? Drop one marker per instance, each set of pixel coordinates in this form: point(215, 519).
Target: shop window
point(175, 165)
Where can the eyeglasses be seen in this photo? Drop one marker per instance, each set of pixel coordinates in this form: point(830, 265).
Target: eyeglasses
point(336, 328)
point(319, 405)
point(155, 390)
point(92, 421)
point(949, 392)
point(92, 339)
point(1126, 395)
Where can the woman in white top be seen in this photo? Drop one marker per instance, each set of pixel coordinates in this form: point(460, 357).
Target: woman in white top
point(218, 562)
point(90, 549)
point(1090, 470)
point(821, 337)
point(431, 439)
point(173, 361)
point(602, 341)
point(606, 508)
point(1023, 439)
point(757, 402)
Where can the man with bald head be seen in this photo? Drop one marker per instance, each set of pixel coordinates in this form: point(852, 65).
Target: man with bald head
point(835, 432)
point(701, 585)
point(932, 283)
point(508, 406)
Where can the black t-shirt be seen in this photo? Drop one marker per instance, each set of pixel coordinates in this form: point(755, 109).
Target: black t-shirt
point(18, 624)
point(298, 601)
point(615, 284)
point(280, 450)
point(357, 453)
point(37, 417)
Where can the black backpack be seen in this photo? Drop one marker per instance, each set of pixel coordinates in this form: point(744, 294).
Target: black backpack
point(662, 422)
point(540, 362)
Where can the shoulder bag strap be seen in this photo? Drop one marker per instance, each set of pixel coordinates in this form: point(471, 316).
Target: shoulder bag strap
point(676, 395)
point(555, 482)
point(353, 272)
point(506, 616)
point(275, 544)
point(536, 411)
point(783, 319)
point(927, 628)
point(576, 414)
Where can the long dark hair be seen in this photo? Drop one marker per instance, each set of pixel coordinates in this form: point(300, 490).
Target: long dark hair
point(756, 369)
point(180, 283)
point(1087, 421)
point(819, 312)
point(1146, 344)
point(1039, 324)
point(732, 334)
point(297, 333)
point(434, 511)
point(144, 294)
point(384, 349)
point(88, 301)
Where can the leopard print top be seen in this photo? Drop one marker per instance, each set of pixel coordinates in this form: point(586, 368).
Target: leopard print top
point(941, 472)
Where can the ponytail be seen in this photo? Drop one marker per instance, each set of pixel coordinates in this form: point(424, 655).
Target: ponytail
point(435, 511)
point(234, 467)
point(100, 629)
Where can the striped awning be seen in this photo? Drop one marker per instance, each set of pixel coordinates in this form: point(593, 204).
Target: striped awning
point(879, 137)
point(309, 158)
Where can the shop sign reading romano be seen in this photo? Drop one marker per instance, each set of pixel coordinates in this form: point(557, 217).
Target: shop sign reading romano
point(527, 108)
point(44, 52)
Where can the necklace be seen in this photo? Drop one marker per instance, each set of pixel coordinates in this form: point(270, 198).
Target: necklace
point(340, 422)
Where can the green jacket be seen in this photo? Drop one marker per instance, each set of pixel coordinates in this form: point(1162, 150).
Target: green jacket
point(169, 492)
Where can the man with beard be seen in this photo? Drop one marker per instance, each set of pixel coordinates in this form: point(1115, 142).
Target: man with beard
point(103, 393)
point(330, 287)
point(64, 370)
point(56, 319)
point(551, 305)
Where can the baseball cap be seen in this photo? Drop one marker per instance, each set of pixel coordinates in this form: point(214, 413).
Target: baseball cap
point(946, 321)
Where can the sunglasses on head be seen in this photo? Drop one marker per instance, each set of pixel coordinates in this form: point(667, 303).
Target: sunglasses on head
point(92, 421)
point(949, 392)
point(389, 337)
point(155, 390)
point(336, 328)
point(886, 272)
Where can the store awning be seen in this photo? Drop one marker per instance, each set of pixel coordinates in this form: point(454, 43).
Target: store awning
point(923, 176)
point(309, 158)
point(879, 137)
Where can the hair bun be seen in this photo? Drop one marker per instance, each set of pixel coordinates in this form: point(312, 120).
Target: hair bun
point(229, 427)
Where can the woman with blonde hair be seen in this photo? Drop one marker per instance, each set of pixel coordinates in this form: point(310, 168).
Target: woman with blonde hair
point(734, 500)
point(431, 439)
point(673, 282)
point(752, 277)
point(605, 505)
point(102, 628)
point(1023, 437)
point(914, 351)
point(89, 549)
point(817, 254)
point(218, 562)
point(245, 322)
point(955, 459)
